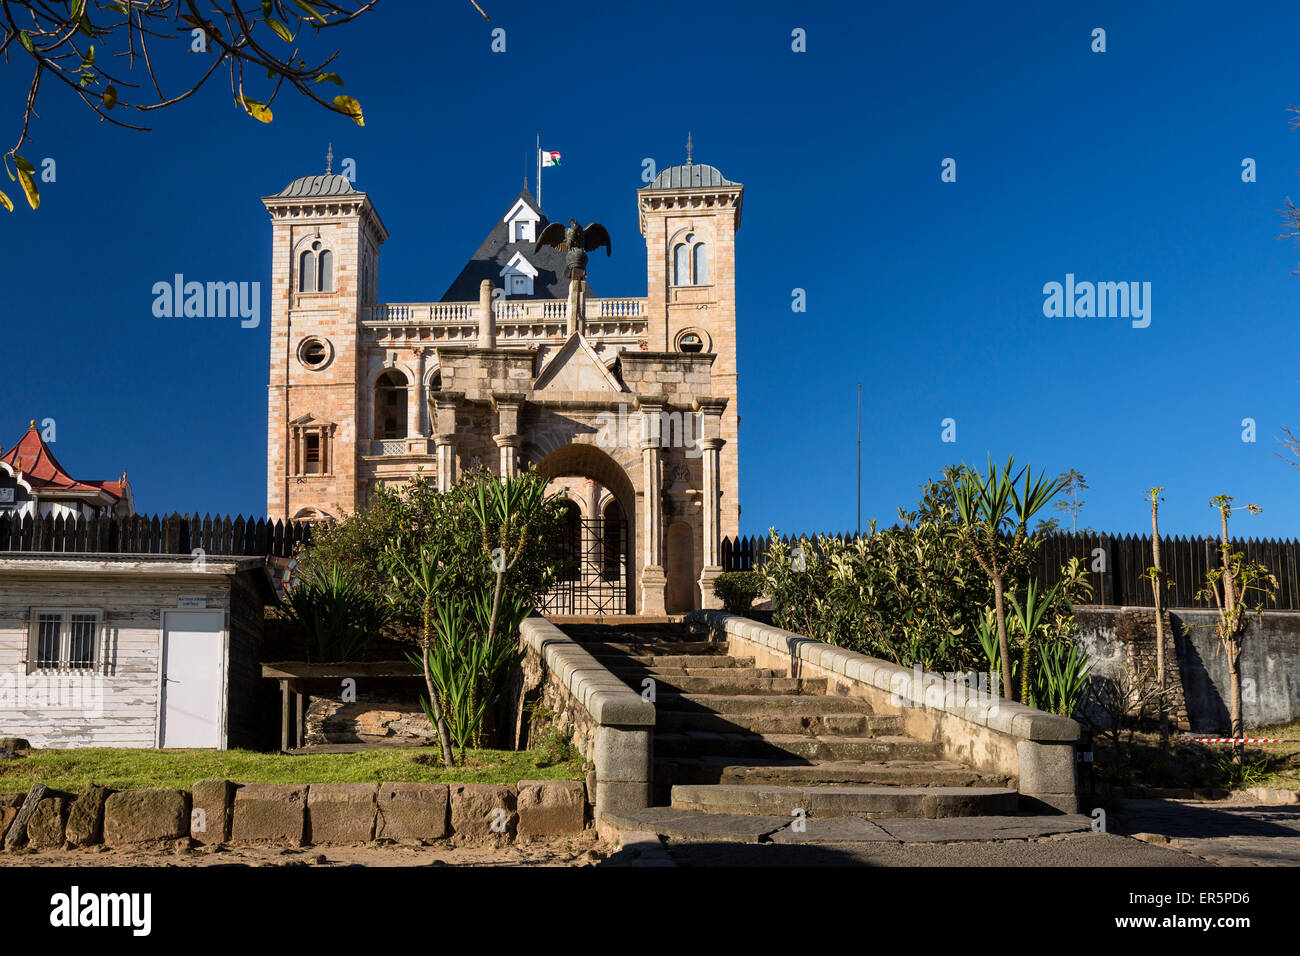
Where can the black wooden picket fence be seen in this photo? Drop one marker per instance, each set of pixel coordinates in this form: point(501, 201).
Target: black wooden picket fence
point(157, 534)
point(1116, 564)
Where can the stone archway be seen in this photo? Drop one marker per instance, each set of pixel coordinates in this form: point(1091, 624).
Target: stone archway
point(603, 524)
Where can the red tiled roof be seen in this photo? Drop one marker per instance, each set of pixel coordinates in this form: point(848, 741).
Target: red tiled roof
point(42, 470)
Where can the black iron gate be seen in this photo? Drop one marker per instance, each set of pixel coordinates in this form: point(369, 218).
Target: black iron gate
point(593, 561)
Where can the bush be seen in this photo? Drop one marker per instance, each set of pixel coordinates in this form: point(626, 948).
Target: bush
point(338, 613)
point(908, 594)
point(738, 589)
point(415, 516)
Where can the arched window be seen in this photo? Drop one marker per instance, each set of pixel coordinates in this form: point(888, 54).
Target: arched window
point(390, 405)
point(690, 262)
point(325, 272)
point(307, 271)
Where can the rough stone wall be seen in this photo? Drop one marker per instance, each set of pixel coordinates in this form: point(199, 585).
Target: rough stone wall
point(1270, 664)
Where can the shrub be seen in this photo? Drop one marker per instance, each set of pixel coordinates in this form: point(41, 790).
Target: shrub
point(738, 590)
point(415, 516)
point(338, 613)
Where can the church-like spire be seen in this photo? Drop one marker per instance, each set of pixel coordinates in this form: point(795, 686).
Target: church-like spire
point(329, 160)
point(689, 147)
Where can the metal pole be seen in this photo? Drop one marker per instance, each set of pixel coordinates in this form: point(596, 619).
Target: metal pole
point(539, 170)
point(859, 459)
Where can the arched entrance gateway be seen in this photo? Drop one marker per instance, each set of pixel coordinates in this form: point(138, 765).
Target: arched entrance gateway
point(597, 548)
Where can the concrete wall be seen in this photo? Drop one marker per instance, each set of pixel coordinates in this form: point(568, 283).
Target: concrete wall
point(1270, 664)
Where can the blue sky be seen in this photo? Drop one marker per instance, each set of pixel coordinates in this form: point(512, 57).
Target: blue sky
point(1116, 166)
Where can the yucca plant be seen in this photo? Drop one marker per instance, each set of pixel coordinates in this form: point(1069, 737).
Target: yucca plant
point(1062, 678)
point(1028, 620)
point(425, 575)
point(338, 614)
point(994, 511)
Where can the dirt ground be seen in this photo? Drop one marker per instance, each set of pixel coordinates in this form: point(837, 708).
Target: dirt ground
point(582, 851)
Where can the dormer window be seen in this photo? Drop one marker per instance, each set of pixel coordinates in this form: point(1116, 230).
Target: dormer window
point(518, 275)
point(521, 223)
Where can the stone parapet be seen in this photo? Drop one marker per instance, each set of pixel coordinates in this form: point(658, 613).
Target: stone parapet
point(983, 731)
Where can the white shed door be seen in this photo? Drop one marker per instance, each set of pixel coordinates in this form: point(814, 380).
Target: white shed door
point(192, 679)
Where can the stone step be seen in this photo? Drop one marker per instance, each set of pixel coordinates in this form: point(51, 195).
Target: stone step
point(689, 830)
point(723, 684)
point(872, 802)
point(781, 746)
point(661, 674)
point(844, 724)
point(606, 648)
point(774, 704)
point(715, 769)
point(613, 660)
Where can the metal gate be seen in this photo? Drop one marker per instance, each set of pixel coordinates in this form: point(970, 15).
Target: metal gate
point(593, 577)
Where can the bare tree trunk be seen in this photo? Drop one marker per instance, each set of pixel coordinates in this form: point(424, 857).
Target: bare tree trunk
point(1157, 586)
point(1234, 701)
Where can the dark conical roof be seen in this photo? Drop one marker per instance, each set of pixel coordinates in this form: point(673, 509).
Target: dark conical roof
point(495, 253)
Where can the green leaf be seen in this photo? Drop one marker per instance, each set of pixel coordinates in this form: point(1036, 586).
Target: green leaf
point(280, 29)
point(329, 78)
point(26, 41)
point(23, 164)
point(84, 25)
point(6, 202)
point(115, 7)
point(259, 111)
point(110, 97)
point(308, 9)
point(29, 186)
point(350, 106)
point(266, 8)
point(89, 59)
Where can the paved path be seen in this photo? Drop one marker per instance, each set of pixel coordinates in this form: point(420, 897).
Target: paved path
point(1222, 832)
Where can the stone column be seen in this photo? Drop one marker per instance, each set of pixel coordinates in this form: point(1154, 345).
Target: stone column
point(712, 503)
point(487, 320)
point(414, 391)
point(445, 437)
point(508, 439)
point(653, 579)
point(509, 445)
point(710, 444)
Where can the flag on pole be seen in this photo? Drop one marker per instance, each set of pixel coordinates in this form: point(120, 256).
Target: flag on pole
point(549, 157)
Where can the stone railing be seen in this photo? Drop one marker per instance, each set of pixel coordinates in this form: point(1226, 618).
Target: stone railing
point(522, 321)
point(971, 726)
point(612, 725)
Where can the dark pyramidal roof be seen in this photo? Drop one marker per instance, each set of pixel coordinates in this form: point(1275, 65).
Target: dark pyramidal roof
point(495, 254)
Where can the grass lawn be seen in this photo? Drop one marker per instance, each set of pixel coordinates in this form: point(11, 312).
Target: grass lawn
point(129, 768)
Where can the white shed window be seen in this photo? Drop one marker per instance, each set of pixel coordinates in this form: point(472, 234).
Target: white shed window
point(65, 639)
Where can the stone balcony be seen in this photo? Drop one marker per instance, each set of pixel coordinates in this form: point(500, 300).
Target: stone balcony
point(522, 322)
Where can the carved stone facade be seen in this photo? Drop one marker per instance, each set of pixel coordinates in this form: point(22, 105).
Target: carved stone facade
point(629, 406)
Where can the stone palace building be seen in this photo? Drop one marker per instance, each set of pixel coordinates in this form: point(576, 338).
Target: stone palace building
point(627, 404)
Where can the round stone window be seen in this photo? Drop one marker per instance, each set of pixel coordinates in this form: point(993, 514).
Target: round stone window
point(314, 353)
point(690, 341)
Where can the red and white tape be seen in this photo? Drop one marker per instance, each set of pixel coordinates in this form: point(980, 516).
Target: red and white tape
point(1243, 740)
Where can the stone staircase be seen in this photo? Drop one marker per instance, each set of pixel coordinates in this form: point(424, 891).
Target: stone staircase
point(736, 743)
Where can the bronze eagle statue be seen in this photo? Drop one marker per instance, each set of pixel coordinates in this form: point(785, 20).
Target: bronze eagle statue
point(576, 242)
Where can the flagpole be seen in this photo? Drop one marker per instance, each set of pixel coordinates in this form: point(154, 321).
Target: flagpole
point(539, 169)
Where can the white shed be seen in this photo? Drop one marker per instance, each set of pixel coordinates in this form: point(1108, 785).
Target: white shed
point(104, 650)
